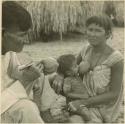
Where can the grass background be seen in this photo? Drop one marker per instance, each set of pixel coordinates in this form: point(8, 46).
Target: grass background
point(72, 44)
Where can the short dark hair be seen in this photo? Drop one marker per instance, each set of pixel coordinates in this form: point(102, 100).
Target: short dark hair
point(13, 13)
point(101, 20)
point(65, 63)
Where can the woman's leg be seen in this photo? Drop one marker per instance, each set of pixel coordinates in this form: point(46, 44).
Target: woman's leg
point(24, 111)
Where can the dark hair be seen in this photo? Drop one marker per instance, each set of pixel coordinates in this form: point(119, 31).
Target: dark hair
point(101, 20)
point(13, 13)
point(65, 63)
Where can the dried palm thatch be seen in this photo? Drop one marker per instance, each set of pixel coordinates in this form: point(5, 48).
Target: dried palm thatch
point(115, 9)
point(119, 5)
point(63, 16)
point(54, 16)
point(60, 16)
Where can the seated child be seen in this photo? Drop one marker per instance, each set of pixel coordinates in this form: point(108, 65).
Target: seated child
point(73, 87)
point(50, 104)
point(48, 66)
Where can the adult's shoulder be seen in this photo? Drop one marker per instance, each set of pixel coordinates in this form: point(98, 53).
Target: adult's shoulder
point(6, 57)
point(24, 58)
point(118, 60)
point(114, 57)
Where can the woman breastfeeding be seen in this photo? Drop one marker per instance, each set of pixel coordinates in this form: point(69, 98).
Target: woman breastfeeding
point(103, 76)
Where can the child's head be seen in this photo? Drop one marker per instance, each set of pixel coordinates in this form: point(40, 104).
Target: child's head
point(67, 65)
point(50, 65)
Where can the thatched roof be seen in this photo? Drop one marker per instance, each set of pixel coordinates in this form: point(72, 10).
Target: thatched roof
point(61, 16)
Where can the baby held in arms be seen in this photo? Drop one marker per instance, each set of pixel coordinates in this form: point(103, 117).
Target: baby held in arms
point(73, 87)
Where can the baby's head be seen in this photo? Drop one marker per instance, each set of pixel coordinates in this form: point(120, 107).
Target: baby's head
point(67, 65)
point(50, 65)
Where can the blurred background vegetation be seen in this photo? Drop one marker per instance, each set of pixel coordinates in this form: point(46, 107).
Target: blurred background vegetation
point(57, 19)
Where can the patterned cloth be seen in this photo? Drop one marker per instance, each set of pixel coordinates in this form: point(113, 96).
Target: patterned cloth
point(74, 85)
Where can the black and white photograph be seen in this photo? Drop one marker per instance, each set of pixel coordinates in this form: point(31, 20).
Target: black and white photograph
point(62, 61)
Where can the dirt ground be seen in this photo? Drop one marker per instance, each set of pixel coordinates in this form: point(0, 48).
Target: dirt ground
point(73, 45)
point(40, 50)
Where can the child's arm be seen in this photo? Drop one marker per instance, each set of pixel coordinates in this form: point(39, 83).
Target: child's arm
point(66, 87)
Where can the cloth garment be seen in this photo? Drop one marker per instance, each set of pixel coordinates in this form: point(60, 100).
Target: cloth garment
point(73, 84)
point(97, 81)
point(51, 105)
point(15, 102)
point(23, 111)
point(46, 97)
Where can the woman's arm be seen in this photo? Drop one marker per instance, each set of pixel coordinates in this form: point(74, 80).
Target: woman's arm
point(115, 87)
point(77, 96)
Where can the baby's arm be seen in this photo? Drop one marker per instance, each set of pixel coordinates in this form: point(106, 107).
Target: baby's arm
point(66, 87)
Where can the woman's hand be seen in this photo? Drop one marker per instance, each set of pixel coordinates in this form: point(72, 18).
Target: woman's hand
point(58, 83)
point(74, 106)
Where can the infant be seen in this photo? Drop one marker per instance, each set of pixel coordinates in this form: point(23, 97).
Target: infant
point(73, 86)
